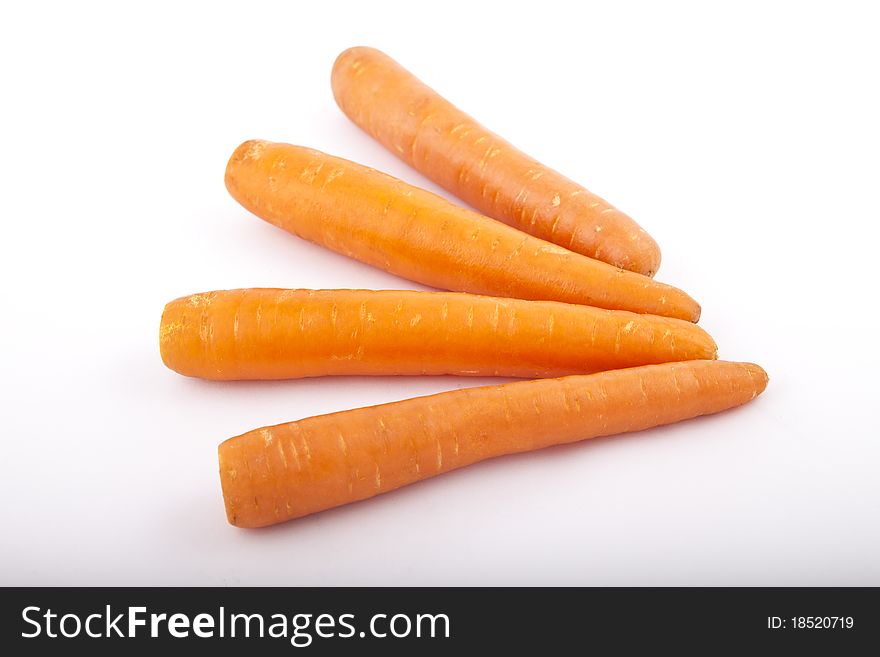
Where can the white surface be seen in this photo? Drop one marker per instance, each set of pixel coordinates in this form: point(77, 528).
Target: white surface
point(744, 139)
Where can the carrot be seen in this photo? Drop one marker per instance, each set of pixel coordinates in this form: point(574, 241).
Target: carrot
point(278, 334)
point(415, 234)
point(278, 473)
point(452, 149)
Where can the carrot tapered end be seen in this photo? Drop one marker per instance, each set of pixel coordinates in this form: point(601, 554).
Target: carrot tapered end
point(759, 377)
point(228, 483)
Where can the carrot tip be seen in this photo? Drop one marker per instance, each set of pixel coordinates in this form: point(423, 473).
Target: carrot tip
point(348, 52)
point(759, 375)
point(251, 149)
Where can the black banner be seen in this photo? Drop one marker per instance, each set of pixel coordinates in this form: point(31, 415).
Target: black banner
point(435, 621)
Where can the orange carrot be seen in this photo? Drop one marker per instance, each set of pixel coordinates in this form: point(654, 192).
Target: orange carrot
point(452, 149)
point(290, 470)
point(410, 232)
point(278, 334)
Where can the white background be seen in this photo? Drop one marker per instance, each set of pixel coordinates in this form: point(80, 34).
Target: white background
point(744, 138)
